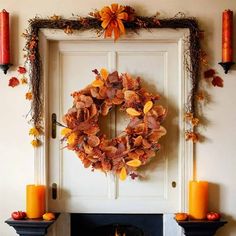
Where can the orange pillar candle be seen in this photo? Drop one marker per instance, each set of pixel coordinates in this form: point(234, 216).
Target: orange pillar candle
point(35, 201)
point(198, 199)
point(227, 36)
point(4, 38)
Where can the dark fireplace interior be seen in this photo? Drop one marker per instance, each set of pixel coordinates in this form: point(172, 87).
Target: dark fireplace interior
point(116, 224)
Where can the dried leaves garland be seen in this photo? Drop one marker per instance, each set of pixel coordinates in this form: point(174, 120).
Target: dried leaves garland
point(136, 145)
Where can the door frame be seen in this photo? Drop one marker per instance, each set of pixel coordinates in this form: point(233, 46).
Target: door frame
point(186, 148)
point(186, 160)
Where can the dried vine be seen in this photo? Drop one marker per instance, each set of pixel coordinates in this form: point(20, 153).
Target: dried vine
point(92, 23)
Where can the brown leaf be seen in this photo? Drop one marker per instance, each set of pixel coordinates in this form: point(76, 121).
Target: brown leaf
point(92, 130)
point(88, 149)
point(146, 144)
point(113, 77)
point(86, 163)
point(152, 123)
point(209, 73)
point(133, 155)
point(105, 108)
point(130, 83)
point(134, 122)
point(138, 141)
point(117, 101)
point(93, 141)
point(140, 129)
point(217, 81)
point(79, 105)
point(87, 100)
point(103, 92)
point(110, 149)
point(131, 96)
point(93, 110)
point(106, 165)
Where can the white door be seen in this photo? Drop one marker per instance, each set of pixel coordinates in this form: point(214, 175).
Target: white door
point(159, 64)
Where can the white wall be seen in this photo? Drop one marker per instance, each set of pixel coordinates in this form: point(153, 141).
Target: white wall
point(215, 158)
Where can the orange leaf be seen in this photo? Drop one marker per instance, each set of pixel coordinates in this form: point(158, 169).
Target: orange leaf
point(97, 83)
point(147, 107)
point(133, 112)
point(104, 73)
point(123, 174)
point(134, 163)
point(28, 96)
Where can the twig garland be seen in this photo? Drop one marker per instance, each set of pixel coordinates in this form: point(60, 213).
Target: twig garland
point(91, 23)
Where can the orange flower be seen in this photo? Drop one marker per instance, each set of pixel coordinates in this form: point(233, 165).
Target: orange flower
point(24, 80)
point(189, 135)
point(35, 143)
point(28, 96)
point(111, 18)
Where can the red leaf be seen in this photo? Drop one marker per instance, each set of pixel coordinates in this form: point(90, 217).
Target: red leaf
point(13, 82)
point(209, 73)
point(217, 81)
point(21, 70)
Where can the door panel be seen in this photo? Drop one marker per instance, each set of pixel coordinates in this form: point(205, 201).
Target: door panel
point(79, 189)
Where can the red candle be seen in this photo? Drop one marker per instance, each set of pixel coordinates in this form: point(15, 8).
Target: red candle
point(227, 36)
point(4, 38)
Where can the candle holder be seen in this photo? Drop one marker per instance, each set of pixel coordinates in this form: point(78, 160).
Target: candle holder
point(5, 67)
point(226, 66)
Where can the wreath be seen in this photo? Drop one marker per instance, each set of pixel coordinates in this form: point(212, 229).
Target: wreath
point(134, 146)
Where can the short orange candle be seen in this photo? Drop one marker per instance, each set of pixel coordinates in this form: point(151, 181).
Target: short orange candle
point(198, 199)
point(35, 201)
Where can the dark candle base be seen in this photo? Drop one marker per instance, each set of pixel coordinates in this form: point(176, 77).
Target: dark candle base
point(226, 66)
point(5, 67)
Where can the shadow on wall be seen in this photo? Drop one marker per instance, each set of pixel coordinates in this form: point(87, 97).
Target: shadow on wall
point(214, 205)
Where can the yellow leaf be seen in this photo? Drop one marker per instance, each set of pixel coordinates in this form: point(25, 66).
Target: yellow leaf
point(134, 163)
point(71, 139)
point(65, 131)
point(123, 174)
point(34, 132)
point(35, 143)
point(97, 83)
point(147, 107)
point(133, 112)
point(104, 73)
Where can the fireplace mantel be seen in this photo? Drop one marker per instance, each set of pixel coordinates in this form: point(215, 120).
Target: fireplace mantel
point(30, 227)
point(201, 227)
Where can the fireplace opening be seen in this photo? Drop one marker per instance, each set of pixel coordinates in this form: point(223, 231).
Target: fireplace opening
point(117, 230)
point(86, 224)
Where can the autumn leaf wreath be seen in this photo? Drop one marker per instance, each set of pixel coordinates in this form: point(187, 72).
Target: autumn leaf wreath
point(134, 146)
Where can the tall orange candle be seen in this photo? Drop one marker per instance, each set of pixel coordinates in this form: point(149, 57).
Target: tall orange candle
point(35, 201)
point(198, 199)
point(4, 38)
point(227, 36)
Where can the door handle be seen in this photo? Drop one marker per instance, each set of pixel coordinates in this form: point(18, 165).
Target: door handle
point(54, 191)
point(54, 125)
